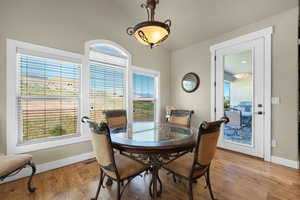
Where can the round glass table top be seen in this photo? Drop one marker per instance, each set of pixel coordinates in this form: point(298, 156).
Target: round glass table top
point(151, 134)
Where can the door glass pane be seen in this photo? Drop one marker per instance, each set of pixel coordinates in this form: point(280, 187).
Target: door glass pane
point(238, 97)
point(107, 90)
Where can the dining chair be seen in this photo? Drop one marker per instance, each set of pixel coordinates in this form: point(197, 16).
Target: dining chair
point(115, 118)
point(197, 164)
point(117, 167)
point(236, 123)
point(168, 112)
point(181, 117)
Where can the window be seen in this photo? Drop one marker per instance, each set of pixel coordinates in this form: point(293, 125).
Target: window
point(49, 90)
point(227, 86)
point(145, 106)
point(108, 67)
point(43, 97)
point(48, 97)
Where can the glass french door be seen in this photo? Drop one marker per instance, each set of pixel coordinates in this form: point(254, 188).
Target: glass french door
point(239, 96)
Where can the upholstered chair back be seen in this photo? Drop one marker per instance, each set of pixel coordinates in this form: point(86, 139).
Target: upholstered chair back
point(103, 149)
point(207, 141)
point(181, 117)
point(116, 118)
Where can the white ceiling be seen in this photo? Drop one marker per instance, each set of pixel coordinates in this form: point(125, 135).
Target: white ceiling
point(197, 20)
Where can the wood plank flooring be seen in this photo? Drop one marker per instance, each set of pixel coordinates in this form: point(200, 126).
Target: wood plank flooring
point(234, 177)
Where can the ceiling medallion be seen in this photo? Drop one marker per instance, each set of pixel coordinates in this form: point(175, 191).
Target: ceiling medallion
point(150, 32)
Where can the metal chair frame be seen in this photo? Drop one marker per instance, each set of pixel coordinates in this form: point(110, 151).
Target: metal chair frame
point(205, 128)
point(15, 172)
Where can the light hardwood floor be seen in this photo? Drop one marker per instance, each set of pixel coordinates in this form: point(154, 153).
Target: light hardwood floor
point(234, 177)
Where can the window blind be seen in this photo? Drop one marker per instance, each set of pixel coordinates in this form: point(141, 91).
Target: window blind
point(107, 89)
point(48, 93)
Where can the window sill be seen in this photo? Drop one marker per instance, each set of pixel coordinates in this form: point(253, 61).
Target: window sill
point(24, 148)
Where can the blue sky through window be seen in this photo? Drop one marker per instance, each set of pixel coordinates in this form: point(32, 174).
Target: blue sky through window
point(46, 69)
point(103, 78)
point(108, 49)
point(143, 86)
point(226, 90)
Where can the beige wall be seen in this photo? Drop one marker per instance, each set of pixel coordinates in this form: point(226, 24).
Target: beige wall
point(196, 58)
point(67, 25)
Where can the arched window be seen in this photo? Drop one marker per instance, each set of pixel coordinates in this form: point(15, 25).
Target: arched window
point(108, 65)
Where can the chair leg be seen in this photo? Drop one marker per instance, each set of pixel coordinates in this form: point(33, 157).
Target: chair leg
point(190, 190)
point(174, 178)
point(30, 188)
point(109, 181)
point(207, 178)
point(119, 191)
point(99, 186)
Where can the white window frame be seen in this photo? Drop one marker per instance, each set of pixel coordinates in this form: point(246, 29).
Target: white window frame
point(11, 97)
point(156, 99)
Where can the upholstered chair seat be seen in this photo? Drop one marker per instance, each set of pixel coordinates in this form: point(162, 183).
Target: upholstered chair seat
point(12, 164)
point(183, 165)
point(126, 167)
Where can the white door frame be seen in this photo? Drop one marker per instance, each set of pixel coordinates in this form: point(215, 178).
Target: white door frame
point(266, 34)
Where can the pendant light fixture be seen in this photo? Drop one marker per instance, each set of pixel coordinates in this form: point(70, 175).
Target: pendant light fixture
point(150, 32)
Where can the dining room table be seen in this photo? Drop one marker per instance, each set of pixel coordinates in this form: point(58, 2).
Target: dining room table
point(153, 144)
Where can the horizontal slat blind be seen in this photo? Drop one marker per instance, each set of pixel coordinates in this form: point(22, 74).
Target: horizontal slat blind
point(107, 89)
point(48, 97)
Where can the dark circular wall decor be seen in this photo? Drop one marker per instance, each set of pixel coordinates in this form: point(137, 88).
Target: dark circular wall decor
point(190, 82)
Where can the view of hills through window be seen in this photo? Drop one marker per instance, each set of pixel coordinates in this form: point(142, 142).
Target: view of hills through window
point(49, 97)
point(144, 98)
point(107, 90)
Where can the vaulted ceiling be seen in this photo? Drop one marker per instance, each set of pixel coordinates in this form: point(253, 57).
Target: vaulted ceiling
point(198, 20)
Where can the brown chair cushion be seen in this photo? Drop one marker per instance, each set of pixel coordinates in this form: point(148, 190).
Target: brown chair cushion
point(182, 121)
point(183, 166)
point(126, 167)
point(207, 147)
point(10, 163)
point(116, 122)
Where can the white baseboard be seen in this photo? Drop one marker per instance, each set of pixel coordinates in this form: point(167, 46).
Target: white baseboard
point(51, 165)
point(285, 162)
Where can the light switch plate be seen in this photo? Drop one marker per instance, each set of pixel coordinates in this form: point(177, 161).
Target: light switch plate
point(275, 100)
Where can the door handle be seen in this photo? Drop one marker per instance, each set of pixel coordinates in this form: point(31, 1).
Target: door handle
point(260, 113)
